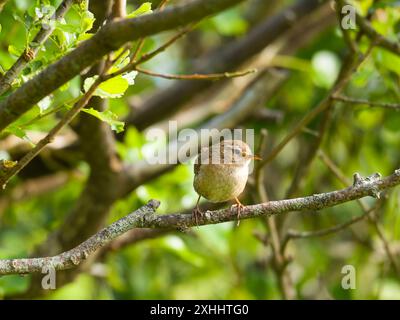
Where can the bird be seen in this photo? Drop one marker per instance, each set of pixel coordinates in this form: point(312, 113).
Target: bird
point(221, 172)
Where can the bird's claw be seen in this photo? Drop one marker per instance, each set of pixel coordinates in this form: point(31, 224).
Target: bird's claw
point(196, 213)
point(239, 209)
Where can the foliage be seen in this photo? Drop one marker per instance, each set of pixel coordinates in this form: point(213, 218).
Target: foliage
point(217, 261)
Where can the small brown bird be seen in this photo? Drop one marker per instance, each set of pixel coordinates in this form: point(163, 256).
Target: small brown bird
point(221, 172)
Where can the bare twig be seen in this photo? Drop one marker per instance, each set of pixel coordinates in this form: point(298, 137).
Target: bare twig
point(163, 47)
point(349, 100)
point(214, 76)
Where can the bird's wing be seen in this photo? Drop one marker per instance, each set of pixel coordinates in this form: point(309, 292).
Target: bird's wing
point(196, 168)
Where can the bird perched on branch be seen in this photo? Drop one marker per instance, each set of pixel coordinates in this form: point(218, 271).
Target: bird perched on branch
point(221, 172)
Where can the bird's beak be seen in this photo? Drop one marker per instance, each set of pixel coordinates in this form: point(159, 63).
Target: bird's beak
point(256, 157)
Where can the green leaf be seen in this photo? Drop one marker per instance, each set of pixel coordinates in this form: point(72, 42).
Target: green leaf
point(19, 132)
point(388, 60)
point(87, 21)
point(145, 8)
point(84, 36)
point(108, 117)
point(0, 27)
point(63, 26)
point(14, 51)
point(112, 88)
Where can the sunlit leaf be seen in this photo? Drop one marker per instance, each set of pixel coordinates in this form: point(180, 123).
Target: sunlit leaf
point(145, 8)
point(87, 21)
point(14, 51)
point(108, 117)
point(130, 77)
point(112, 88)
point(19, 132)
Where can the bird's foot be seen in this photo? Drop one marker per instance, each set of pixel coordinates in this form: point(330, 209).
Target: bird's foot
point(196, 213)
point(239, 208)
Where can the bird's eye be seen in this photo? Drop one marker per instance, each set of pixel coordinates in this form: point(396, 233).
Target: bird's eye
point(237, 151)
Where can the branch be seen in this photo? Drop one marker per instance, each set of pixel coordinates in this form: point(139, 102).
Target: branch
point(145, 217)
point(40, 38)
point(212, 76)
point(387, 105)
point(75, 256)
point(109, 38)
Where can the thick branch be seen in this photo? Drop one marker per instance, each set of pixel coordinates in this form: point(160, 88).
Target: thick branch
point(362, 187)
point(109, 38)
point(145, 217)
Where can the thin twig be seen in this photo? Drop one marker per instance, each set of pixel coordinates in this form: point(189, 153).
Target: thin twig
point(133, 64)
point(163, 47)
point(213, 76)
point(387, 105)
